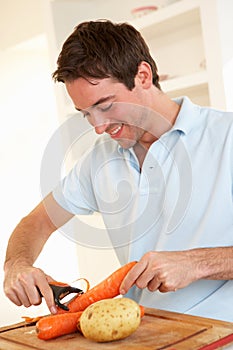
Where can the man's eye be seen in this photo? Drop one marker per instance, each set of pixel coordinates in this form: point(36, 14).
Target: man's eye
point(85, 114)
point(105, 106)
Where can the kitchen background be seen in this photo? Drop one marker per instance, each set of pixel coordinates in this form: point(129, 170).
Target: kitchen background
point(191, 41)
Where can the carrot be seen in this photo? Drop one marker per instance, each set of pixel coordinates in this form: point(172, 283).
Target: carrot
point(108, 288)
point(53, 326)
point(142, 310)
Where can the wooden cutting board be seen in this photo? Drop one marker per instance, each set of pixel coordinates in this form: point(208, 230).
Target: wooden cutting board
point(158, 330)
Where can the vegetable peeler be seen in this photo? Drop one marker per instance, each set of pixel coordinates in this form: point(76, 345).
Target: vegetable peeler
point(61, 290)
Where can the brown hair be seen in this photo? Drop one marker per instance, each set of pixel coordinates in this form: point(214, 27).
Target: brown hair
point(102, 49)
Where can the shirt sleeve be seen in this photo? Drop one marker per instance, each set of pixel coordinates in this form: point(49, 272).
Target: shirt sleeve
point(75, 192)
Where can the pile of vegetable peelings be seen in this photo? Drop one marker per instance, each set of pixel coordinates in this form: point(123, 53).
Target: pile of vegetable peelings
point(96, 314)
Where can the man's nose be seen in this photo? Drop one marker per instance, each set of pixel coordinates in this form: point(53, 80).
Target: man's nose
point(99, 122)
point(101, 127)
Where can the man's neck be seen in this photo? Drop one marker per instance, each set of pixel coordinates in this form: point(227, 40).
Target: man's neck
point(140, 152)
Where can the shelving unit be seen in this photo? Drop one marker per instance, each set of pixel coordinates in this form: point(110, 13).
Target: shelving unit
point(181, 13)
point(188, 39)
point(194, 85)
point(175, 37)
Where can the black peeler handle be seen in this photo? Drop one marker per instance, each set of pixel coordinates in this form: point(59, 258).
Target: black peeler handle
point(60, 291)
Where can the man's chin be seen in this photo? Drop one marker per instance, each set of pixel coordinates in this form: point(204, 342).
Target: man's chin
point(126, 144)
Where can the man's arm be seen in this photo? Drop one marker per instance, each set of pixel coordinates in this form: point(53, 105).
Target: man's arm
point(169, 271)
point(25, 244)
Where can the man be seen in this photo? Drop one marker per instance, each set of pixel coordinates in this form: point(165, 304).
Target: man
point(161, 175)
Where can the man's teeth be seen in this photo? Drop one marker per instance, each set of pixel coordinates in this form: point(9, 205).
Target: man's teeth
point(115, 131)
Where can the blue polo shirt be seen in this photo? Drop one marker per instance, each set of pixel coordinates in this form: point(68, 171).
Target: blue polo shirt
point(182, 198)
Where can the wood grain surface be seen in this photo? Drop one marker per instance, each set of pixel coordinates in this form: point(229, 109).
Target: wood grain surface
point(158, 330)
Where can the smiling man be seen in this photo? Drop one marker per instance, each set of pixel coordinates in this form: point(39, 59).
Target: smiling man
point(110, 108)
point(161, 175)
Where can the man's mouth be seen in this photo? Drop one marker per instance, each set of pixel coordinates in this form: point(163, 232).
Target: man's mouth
point(115, 132)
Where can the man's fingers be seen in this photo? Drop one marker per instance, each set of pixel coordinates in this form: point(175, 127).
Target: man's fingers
point(47, 293)
point(12, 295)
point(28, 283)
point(132, 276)
point(22, 296)
point(154, 285)
point(33, 295)
point(16, 293)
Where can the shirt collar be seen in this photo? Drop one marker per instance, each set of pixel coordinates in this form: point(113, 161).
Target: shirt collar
point(187, 116)
point(185, 121)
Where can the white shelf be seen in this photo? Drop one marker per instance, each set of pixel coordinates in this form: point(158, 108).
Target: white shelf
point(174, 33)
point(178, 14)
point(184, 82)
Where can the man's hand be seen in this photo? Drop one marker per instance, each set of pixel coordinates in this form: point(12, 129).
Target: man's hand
point(21, 287)
point(163, 271)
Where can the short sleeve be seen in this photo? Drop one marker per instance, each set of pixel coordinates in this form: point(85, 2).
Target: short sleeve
point(75, 192)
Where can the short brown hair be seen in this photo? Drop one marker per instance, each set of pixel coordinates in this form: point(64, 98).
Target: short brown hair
point(102, 49)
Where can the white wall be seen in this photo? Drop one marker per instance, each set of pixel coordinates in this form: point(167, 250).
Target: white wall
point(20, 20)
point(28, 119)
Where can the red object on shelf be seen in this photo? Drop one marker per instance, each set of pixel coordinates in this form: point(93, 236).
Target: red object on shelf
point(143, 10)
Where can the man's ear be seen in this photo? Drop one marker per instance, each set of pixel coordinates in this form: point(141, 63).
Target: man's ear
point(144, 75)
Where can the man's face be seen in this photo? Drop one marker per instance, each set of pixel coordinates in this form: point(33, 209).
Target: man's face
point(110, 108)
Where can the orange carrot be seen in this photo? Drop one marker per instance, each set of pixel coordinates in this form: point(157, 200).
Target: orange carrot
point(108, 288)
point(53, 326)
point(142, 309)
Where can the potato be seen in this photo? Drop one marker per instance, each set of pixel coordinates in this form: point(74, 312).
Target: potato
point(110, 319)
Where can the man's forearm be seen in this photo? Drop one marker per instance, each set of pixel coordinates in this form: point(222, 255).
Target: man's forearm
point(26, 242)
point(30, 235)
point(213, 263)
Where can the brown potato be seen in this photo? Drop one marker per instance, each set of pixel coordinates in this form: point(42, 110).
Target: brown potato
point(110, 319)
